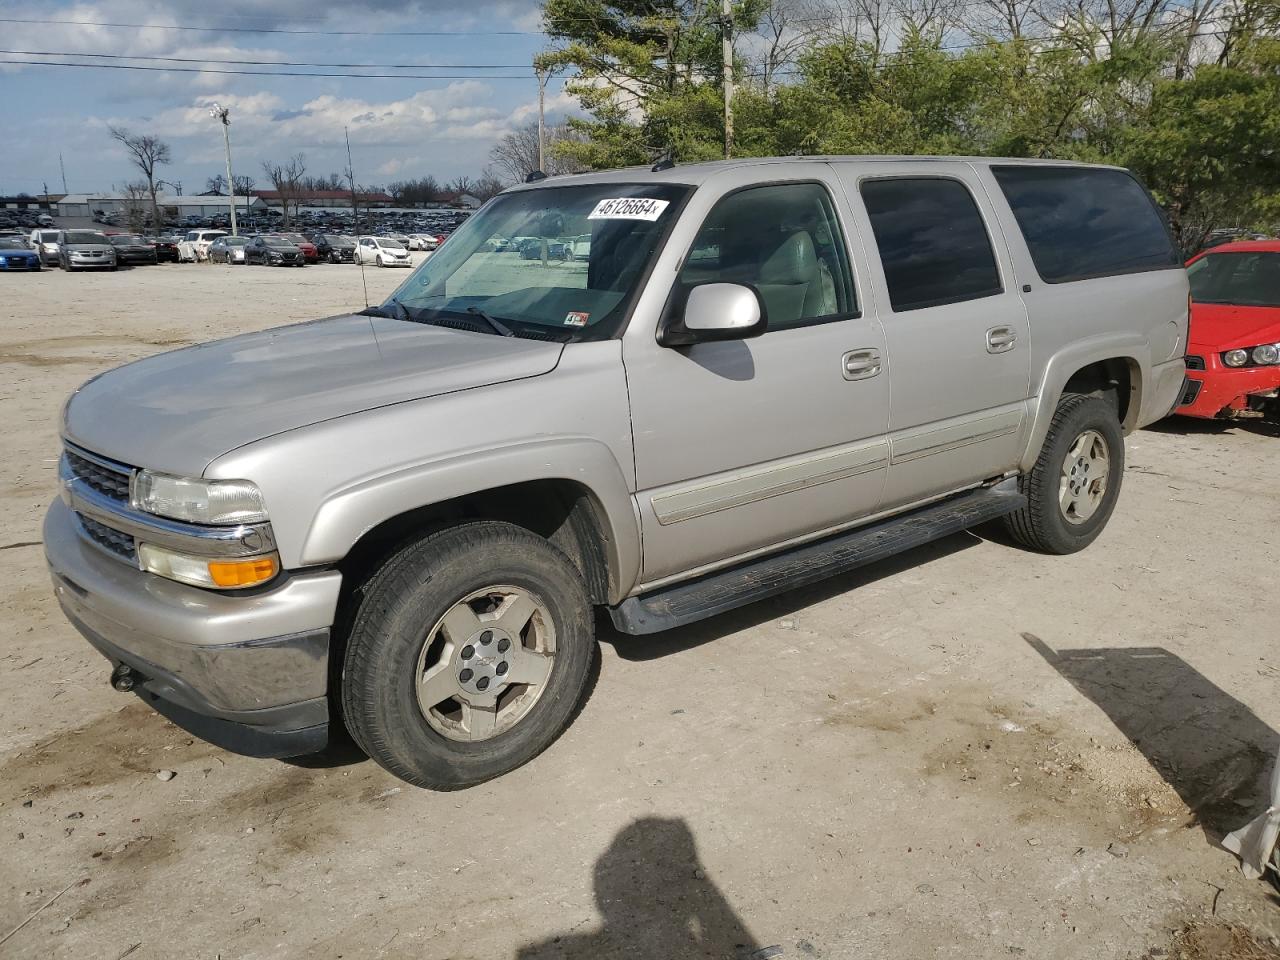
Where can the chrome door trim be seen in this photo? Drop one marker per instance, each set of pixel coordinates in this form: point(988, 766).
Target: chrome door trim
point(749, 484)
point(913, 446)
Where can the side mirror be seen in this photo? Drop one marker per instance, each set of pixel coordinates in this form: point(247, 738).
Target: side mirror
point(717, 311)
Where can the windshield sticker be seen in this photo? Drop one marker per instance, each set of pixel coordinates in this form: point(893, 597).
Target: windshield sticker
point(576, 318)
point(628, 208)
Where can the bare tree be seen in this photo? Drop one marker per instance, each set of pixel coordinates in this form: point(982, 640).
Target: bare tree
point(245, 184)
point(135, 208)
point(147, 152)
point(787, 28)
point(216, 185)
point(488, 186)
point(461, 184)
point(516, 154)
point(288, 180)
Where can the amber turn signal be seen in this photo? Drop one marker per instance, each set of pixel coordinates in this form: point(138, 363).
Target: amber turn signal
point(242, 573)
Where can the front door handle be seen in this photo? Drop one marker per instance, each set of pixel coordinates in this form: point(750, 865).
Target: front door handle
point(1001, 339)
point(861, 364)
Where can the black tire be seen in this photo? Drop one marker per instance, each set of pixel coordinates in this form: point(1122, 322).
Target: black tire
point(398, 606)
point(1041, 524)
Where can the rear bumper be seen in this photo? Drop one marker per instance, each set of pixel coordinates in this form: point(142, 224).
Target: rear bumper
point(248, 672)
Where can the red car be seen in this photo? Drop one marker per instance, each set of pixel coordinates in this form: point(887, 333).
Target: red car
point(310, 252)
point(1233, 353)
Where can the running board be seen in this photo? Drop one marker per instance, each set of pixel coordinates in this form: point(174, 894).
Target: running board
point(724, 590)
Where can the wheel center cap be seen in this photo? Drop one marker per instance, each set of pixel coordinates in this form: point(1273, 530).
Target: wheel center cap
point(483, 662)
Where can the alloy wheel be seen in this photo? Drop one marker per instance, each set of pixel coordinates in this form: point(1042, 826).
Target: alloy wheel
point(486, 663)
point(1084, 475)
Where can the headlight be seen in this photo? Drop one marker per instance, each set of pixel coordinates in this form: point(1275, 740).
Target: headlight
point(228, 574)
point(1235, 358)
point(198, 501)
point(1266, 354)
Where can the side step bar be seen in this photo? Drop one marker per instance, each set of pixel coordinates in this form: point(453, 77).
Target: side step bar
point(724, 590)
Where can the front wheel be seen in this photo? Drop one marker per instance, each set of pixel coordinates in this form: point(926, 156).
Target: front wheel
point(378, 261)
point(1072, 489)
point(468, 655)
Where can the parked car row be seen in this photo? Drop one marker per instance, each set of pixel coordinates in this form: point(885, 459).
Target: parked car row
point(14, 221)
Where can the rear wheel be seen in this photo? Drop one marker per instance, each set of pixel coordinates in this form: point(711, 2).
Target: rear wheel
point(468, 655)
point(1073, 487)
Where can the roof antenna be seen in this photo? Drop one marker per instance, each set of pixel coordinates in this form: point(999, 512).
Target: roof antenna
point(665, 162)
point(534, 176)
point(355, 213)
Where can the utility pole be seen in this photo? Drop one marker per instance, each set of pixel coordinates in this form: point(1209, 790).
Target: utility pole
point(726, 52)
point(64, 173)
point(542, 119)
point(224, 114)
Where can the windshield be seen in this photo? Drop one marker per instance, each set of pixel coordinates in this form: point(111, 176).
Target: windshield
point(390, 244)
point(541, 286)
point(278, 242)
point(120, 238)
point(85, 236)
point(1247, 279)
point(48, 236)
point(13, 242)
point(234, 241)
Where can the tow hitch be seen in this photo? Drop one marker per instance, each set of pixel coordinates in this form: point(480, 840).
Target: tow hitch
point(124, 679)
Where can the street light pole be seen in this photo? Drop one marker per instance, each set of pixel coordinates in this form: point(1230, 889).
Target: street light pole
point(542, 120)
point(224, 114)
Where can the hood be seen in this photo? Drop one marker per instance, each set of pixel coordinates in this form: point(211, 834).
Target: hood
point(8, 251)
point(1222, 326)
point(86, 246)
point(178, 411)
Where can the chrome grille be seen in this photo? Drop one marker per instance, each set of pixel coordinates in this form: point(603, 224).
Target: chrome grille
point(113, 541)
point(110, 482)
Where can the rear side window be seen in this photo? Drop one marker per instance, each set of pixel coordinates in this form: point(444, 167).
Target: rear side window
point(932, 242)
point(1081, 223)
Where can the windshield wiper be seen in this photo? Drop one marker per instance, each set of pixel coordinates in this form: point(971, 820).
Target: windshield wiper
point(497, 325)
point(398, 312)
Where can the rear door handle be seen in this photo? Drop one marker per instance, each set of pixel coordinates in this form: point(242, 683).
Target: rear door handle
point(1001, 339)
point(861, 364)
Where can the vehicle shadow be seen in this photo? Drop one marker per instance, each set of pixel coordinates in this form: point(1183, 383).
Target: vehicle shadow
point(653, 646)
point(656, 903)
point(1197, 426)
point(1207, 745)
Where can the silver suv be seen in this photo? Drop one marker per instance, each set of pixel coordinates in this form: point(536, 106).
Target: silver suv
point(760, 373)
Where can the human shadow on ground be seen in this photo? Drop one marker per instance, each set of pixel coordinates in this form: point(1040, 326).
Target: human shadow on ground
point(1207, 745)
point(656, 903)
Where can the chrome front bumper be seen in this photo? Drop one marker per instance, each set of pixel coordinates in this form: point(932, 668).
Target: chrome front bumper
point(248, 671)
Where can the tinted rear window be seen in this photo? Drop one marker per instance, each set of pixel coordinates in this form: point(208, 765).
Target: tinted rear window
point(932, 242)
point(1081, 223)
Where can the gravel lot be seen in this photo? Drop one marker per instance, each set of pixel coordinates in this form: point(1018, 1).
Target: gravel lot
point(968, 752)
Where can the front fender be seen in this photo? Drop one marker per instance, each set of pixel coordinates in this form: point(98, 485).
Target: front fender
point(350, 512)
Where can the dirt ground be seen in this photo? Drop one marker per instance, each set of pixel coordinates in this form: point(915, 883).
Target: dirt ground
point(968, 752)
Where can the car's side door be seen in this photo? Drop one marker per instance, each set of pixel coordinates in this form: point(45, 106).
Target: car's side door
point(744, 445)
point(956, 328)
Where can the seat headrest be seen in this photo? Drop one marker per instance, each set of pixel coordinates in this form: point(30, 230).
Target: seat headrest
point(795, 261)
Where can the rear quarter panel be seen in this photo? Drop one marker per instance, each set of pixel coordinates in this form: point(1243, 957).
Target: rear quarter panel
point(1139, 317)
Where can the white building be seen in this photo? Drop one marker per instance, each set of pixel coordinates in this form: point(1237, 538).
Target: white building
point(88, 205)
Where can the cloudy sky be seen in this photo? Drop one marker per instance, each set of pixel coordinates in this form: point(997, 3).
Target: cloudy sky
point(401, 127)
